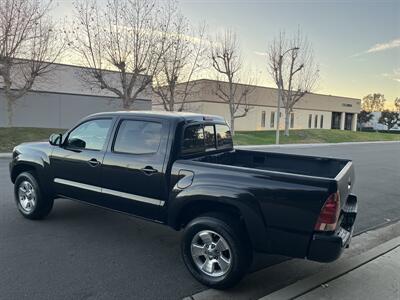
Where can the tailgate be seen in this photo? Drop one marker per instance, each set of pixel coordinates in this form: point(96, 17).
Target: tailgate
point(345, 181)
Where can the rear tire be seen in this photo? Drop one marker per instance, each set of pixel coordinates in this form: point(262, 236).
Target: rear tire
point(216, 250)
point(31, 200)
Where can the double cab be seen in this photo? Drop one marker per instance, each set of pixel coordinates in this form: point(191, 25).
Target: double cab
point(181, 170)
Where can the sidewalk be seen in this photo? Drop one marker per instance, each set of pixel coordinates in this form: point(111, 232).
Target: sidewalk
point(378, 279)
point(374, 274)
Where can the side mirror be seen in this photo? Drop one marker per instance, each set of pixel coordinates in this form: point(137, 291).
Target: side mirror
point(55, 139)
point(77, 143)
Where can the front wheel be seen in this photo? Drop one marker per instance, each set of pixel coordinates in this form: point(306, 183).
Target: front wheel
point(216, 251)
point(31, 201)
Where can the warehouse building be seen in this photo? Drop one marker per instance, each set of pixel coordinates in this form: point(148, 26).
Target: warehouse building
point(312, 111)
point(62, 99)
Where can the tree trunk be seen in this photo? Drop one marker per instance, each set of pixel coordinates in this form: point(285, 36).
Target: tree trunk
point(287, 123)
point(171, 103)
point(9, 112)
point(232, 125)
point(126, 104)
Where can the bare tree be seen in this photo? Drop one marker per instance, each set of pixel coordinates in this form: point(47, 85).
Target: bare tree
point(397, 104)
point(29, 45)
point(373, 102)
point(126, 36)
point(227, 62)
point(184, 56)
point(292, 66)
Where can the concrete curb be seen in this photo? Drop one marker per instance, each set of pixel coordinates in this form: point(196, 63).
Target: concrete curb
point(283, 274)
point(316, 145)
point(338, 269)
point(6, 155)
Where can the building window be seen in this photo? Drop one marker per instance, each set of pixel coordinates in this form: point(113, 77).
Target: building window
point(309, 120)
point(291, 120)
point(316, 121)
point(272, 121)
point(322, 121)
point(263, 118)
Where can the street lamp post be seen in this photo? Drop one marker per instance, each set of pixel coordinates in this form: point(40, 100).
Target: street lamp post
point(278, 113)
point(280, 86)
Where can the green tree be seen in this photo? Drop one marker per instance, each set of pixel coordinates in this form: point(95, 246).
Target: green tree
point(364, 117)
point(373, 102)
point(389, 118)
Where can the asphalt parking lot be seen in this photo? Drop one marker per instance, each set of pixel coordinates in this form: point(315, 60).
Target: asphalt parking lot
point(83, 252)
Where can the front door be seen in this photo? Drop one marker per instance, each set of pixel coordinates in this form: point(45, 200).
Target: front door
point(76, 165)
point(336, 116)
point(348, 121)
point(133, 167)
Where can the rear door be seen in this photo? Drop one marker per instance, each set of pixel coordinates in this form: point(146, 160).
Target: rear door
point(133, 177)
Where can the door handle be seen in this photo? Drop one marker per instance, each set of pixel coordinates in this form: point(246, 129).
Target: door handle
point(93, 162)
point(148, 170)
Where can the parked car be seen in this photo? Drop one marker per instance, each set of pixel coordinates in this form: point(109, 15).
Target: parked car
point(181, 170)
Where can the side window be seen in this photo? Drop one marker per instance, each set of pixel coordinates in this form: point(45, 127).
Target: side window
point(209, 137)
point(224, 137)
point(90, 135)
point(138, 137)
point(193, 139)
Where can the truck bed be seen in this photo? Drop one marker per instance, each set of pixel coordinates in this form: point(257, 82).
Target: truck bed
point(279, 162)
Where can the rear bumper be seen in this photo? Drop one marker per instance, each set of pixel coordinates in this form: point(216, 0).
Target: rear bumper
point(327, 247)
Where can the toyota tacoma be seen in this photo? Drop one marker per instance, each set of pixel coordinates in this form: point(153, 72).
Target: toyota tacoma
point(181, 170)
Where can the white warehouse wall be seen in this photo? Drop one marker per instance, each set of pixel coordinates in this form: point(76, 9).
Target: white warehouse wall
point(53, 110)
point(252, 121)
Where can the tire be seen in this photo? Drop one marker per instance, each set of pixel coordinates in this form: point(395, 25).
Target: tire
point(31, 200)
point(213, 266)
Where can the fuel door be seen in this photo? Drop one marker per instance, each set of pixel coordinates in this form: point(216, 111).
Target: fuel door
point(186, 179)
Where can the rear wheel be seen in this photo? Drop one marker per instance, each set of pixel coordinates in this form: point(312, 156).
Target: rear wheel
point(31, 201)
point(216, 251)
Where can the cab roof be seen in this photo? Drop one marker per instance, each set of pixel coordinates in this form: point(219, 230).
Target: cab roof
point(177, 116)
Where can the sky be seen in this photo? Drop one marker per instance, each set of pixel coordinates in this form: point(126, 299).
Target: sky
point(356, 43)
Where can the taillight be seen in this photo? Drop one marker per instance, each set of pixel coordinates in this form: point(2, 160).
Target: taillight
point(329, 214)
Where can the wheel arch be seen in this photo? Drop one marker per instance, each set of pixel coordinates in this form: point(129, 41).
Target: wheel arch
point(186, 207)
point(20, 168)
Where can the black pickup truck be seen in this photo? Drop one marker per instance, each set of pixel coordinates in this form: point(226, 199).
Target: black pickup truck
point(181, 170)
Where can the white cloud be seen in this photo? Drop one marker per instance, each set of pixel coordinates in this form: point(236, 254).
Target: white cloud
point(384, 46)
point(394, 75)
point(395, 43)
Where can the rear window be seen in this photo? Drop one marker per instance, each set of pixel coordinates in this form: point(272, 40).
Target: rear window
point(201, 138)
point(193, 139)
point(209, 137)
point(224, 137)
